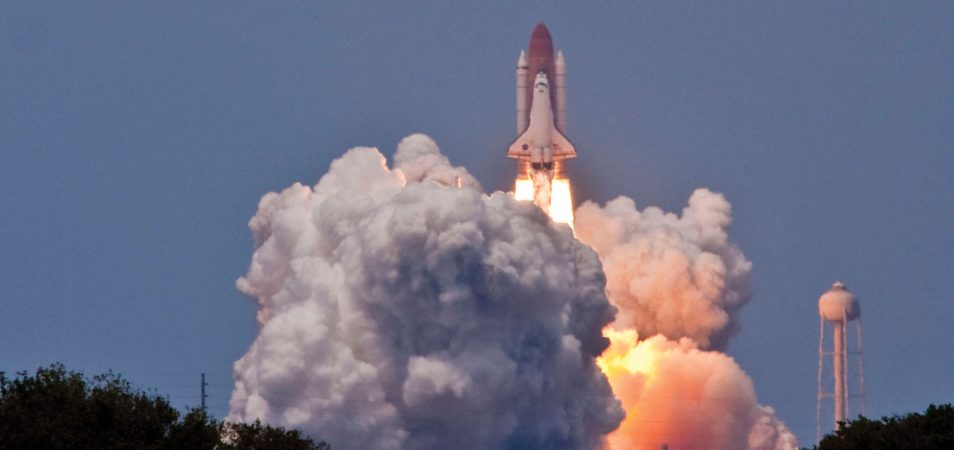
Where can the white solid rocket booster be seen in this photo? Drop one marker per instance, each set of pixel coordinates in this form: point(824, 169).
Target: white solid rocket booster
point(559, 67)
point(522, 80)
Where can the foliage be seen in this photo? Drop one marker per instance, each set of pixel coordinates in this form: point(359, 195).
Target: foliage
point(59, 409)
point(932, 430)
point(255, 436)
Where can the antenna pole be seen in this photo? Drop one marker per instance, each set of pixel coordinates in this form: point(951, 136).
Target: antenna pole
point(202, 389)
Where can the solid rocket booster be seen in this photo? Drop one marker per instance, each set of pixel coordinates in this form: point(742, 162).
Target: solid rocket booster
point(541, 146)
point(522, 83)
point(560, 89)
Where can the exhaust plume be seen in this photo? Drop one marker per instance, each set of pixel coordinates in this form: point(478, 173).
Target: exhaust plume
point(670, 275)
point(404, 309)
point(678, 395)
point(677, 280)
point(398, 311)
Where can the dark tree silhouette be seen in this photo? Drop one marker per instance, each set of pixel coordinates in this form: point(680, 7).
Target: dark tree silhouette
point(60, 410)
point(255, 436)
point(932, 430)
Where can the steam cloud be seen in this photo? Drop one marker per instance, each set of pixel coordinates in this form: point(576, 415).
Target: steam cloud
point(670, 275)
point(399, 313)
point(677, 280)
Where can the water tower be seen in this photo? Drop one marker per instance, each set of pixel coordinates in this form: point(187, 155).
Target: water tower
point(837, 309)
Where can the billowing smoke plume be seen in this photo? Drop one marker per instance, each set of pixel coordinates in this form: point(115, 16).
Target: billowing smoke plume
point(678, 395)
point(420, 160)
point(677, 280)
point(404, 309)
point(398, 311)
point(670, 275)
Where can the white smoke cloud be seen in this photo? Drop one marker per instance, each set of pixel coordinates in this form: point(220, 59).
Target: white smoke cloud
point(670, 275)
point(419, 159)
point(399, 313)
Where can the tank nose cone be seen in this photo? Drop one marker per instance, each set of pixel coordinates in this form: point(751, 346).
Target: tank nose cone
point(541, 46)
point(540, 32)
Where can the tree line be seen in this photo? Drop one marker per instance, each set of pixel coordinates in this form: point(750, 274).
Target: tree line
point(934, 429)
point(58, 409)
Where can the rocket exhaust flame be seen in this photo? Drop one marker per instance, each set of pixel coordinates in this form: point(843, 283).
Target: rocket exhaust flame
point(561, 202)
point(554, 197)
point(678, 395)
point(523, 190)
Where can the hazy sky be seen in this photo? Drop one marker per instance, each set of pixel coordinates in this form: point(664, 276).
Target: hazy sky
point(137, 139)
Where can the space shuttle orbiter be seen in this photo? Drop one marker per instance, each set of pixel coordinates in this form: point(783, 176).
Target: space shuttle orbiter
point(541, 146)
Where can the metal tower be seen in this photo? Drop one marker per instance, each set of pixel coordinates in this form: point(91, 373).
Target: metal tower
point(837, 308)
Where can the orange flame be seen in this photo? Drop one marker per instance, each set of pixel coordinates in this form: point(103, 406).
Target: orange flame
point(561, 201)
point(523, 190)
point(557, 201)
point(631, 368)
point(624, 356)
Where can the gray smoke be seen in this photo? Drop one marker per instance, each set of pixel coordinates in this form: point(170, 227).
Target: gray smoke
point(398, 311)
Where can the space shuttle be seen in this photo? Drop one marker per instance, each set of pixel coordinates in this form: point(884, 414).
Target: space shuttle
point(541, 147)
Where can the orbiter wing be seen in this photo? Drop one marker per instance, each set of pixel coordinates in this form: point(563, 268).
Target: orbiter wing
point(520, 148)
point(559, 144)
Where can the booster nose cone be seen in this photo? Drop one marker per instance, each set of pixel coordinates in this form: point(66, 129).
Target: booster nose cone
point(522, 60)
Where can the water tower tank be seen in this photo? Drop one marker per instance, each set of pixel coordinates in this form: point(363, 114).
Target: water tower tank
point(838, 304)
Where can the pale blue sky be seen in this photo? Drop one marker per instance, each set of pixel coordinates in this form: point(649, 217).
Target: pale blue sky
point(136, 140)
